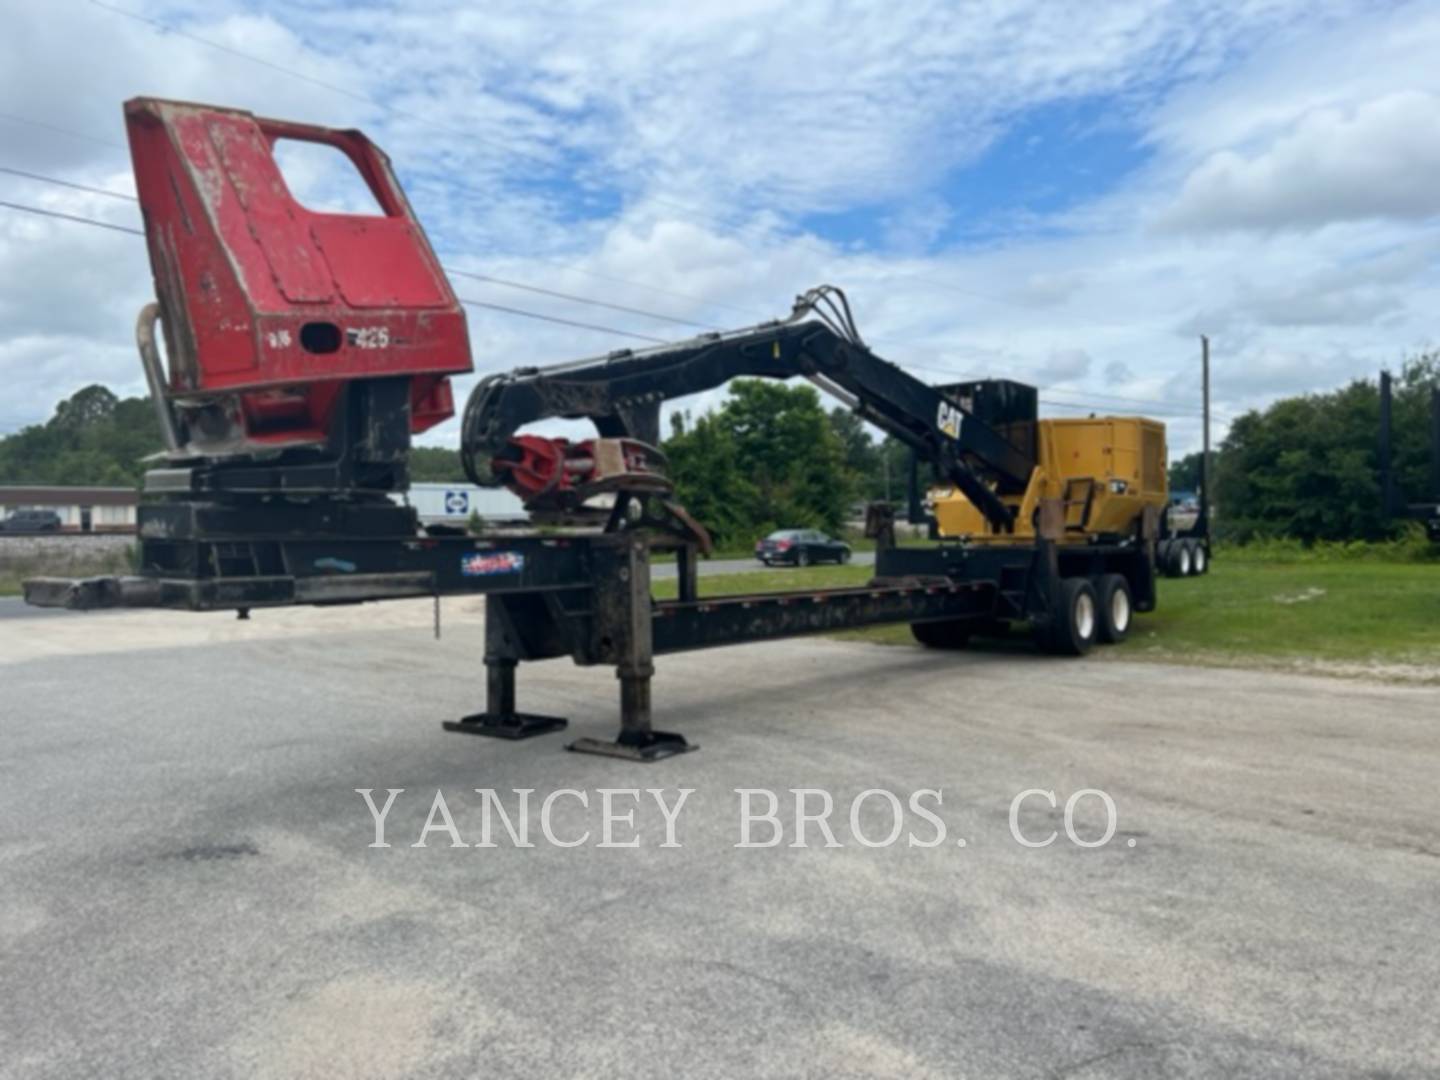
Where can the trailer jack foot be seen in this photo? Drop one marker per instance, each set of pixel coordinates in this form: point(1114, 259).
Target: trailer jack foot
point(507, 726)
point(636, 746)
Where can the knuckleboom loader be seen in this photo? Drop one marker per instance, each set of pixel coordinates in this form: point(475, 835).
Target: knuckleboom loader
point(304, 349)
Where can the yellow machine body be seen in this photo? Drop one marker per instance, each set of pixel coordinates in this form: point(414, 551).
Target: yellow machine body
point(1105, 470)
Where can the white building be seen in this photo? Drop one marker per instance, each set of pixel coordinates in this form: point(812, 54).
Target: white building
point(80, 509)
point(452, 504)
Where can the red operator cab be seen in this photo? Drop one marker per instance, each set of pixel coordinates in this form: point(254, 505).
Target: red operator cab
point(269, 308)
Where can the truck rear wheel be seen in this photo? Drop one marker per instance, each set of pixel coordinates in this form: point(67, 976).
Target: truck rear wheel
point(1182, 562)
point(948, 634)
point(1199, 559)
point(1074, 625)
point(1116, 608)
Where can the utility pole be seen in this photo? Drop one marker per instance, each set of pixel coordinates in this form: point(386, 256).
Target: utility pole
point(1205, 430)
point(1435, 443)
point(1386, 450)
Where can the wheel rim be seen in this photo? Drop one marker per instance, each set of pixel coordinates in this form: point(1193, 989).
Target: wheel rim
point(1199, 560)
point(1184, 561)
point(1120, 610)
point(1085, 616)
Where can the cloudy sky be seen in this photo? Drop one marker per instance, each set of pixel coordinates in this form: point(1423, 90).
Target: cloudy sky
point(1066, 194)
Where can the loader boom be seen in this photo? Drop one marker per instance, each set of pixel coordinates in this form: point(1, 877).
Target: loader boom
point(622, 393)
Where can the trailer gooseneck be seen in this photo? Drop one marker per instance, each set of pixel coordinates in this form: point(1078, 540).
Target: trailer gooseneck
point(305, 349)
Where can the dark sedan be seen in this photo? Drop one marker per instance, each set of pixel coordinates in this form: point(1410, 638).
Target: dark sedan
point(801, 547)
point(31, 521)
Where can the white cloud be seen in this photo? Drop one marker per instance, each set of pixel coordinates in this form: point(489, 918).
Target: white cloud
point(1378, 159)
point(1064, 366)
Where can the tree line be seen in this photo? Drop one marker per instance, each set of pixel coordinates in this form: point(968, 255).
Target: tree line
point(771, 456)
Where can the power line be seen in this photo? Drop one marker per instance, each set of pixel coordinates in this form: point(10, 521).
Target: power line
point(574, 298)
point(647, 286)
point(581, 299)
point(490, 278)
point(1173, 409)
point(521, 312)
point(72, 217)
point(82, 220)
point(1167, 408)
point(70, 132)
point(562, 322)
point(1169, 412)
point(650, 288)
point(68, 183)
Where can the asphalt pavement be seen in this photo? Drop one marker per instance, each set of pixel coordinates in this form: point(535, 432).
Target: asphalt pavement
point(187, 888)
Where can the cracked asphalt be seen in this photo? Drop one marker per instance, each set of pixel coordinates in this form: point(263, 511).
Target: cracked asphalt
point(187, 888)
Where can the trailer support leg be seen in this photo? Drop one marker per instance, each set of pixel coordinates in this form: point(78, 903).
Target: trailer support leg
point(625, 616)
point(500, 720)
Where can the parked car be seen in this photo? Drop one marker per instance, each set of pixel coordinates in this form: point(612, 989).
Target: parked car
point(31, 521)
point(801, 547)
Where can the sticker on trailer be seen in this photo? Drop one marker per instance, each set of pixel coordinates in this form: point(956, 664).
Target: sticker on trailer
point(457, 502)
point(483, 564)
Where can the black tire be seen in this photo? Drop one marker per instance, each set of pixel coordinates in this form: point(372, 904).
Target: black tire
point(844, 556)
point(950, 634)
point(1199, 559)
point(802, 558)
point(1181, 563)
point(1073, 628)
point(1115, 607)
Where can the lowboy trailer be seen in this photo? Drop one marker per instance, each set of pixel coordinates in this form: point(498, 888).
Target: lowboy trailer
point(305, 349)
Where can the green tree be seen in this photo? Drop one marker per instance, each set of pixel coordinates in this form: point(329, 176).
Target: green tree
point(1184, 474)
point(709, 481)
point(93, 438)
point(769, 457)
point(1307, 467)
point(436, 465)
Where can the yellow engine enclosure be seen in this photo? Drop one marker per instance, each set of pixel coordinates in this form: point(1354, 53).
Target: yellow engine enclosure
point(1105, 470)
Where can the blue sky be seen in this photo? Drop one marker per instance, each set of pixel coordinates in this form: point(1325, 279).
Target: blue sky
point(1066, 194)
point(1043, 162)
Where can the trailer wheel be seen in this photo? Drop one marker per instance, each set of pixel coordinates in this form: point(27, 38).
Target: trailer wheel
point(949, 634)
point(1075, 625)
point(1116, 608)
point(1199, 559)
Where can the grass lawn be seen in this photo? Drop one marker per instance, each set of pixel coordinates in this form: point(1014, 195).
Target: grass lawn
point(778, 579)
point(1336, 611)
point(79, 562)
point(855, 540)
point(1343, 616)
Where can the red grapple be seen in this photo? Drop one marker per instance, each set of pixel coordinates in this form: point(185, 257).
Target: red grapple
point(269, 308)
point(550, 473)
